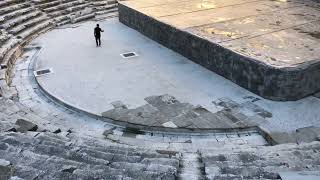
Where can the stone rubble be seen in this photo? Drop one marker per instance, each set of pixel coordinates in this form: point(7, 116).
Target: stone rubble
point(24, 125)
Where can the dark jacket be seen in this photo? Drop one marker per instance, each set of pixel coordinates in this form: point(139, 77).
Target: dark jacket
point(97, 31)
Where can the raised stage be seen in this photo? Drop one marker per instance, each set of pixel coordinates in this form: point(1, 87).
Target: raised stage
point(269, 47)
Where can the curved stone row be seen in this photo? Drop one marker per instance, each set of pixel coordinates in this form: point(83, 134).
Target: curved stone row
point(21, 19)
point(50, 156)
point(45, 155)
point(269, 162)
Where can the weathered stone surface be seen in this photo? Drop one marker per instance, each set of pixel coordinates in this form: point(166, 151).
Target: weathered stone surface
point(307, 134)
point(166, 111)
point(47, 156)
point(283, 137)
point(119, 104)
point(6, 170)
point(271, 82)
point(300, 175)
point(301, 135)
point(24, 125)
point(262, 163)
point(107, 132)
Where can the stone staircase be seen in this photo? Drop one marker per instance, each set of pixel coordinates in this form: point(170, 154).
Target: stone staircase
point(19, 21)
point(22, 20)
point(45, 155)
point(6, 43)
point(191, 167)
point(105, 8)
point(66, 11)
point(261, 162)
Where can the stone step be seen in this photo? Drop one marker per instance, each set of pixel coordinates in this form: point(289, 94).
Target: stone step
point(27, 24)
point(106, 8)
point(48, 1)
point(70, 154)
point(190, 167)
point(27, 172)
point(113, 157)
point(140, 171)
point(84, 17)
point(62, 18)
point(17, 21)
point(44, 166)
point(44, 154)
point(12, 8)
point(262, 163)
point(14, 14)
point(4, 38)
point(189, 177)
point(77, 8)
point(63, 22)
point(34, 29)
point(6, 3)
point(62, 6)
point(103, 3)
point(162, 161)
point(99, 174)
point(59, 139)
point(48, 4)
point(130, 151)
point(105, 15)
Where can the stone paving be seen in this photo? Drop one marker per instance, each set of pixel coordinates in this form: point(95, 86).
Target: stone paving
point(24, 100)
point(151, 90)
point(51, 156)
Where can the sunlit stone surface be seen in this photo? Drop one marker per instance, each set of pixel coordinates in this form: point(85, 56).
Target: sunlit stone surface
point(268, 47)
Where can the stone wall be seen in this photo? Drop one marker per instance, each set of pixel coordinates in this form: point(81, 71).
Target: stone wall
point(281, 84)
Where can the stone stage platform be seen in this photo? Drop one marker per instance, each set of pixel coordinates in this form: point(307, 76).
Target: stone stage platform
point(158, 89)
point(270, 47)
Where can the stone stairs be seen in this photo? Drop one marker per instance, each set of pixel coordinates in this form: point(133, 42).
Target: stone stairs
point(66, 11)
point(68, 155)
point(102, 7)
point(261, 162)
point(191, 167)
point(19, 21)
point(46, 155)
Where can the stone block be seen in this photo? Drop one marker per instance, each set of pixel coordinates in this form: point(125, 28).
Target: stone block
point(24, 125)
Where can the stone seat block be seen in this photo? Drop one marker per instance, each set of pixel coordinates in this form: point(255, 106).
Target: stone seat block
point(14, 14)
point(11, 8)
point(21, 19)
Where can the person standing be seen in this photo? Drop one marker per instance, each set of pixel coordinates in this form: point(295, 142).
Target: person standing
point(97, 35)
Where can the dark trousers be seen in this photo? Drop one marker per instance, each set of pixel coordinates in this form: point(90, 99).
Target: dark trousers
point(98, 41)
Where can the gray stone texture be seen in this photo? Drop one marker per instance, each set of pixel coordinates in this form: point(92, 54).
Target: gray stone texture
point(24, 125)
point(51, 156)
point(282, 84)
point(301, 135)
point(165, 108)
point(262, 163)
